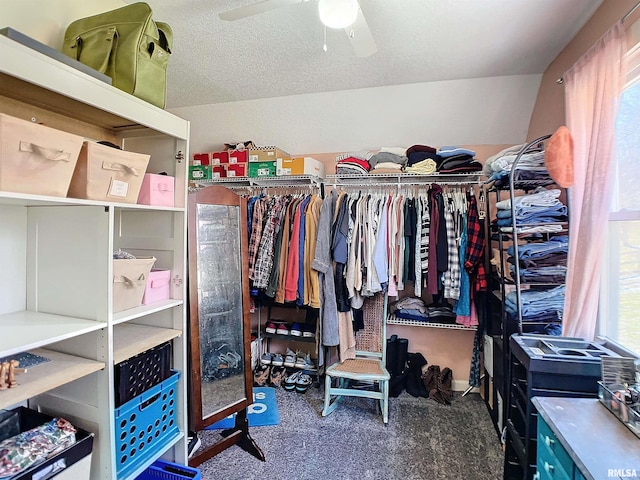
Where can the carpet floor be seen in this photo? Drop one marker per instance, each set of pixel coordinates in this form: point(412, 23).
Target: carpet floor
point(423, 441)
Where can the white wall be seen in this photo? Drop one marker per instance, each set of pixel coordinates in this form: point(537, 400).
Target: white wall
point(493, 110)
point(46, 21)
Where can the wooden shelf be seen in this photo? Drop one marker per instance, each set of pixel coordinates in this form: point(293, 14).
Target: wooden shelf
point(130, 340)
point(26, 330)
point(144, 310)
point(60, 370)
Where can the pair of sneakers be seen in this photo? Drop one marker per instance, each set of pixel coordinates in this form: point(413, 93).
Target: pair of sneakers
point(298, 381)
point(298, 360)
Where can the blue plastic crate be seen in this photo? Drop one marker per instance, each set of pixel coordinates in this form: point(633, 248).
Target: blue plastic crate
point(145, 424)
point(164, 470)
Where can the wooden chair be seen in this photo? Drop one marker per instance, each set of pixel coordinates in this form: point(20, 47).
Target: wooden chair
point(368, 368)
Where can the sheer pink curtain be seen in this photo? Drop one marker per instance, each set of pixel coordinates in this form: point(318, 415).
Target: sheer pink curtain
point(592, 90)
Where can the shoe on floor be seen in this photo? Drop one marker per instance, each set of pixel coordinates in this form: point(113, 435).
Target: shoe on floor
point(261, 375)
point(193, 443)
point(277, 376)
point(289, 358)
point(303, 383)
point(290, 382)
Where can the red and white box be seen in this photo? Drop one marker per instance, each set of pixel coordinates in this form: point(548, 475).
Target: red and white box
point(201, 159)
point(237, 170)
point(218, 171)
point(219, 158)
point(158, 286)
point(157, 190)
point(238, 156)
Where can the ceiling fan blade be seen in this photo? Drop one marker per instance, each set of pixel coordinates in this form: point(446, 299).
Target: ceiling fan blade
point(255, 9)
point(360, 36)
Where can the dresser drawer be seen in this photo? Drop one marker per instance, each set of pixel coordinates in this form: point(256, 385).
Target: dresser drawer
point(547, 441)
point(548, 466)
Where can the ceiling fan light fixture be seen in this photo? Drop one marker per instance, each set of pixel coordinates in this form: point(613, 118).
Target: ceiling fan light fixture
point(338, 14)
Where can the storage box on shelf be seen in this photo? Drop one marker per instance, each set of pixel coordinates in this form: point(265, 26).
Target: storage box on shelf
point(130, 278)
point(107, 173)
point(72, 462)
point(58, 267)
point(158, 286)
point(144, 424)
point(35, 158)
point(157, 190)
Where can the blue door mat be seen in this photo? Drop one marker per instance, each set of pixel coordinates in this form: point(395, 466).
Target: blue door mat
point(262, 412)
point(26, 359)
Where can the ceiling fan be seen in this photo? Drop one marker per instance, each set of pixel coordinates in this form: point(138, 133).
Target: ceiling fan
point(336, 14)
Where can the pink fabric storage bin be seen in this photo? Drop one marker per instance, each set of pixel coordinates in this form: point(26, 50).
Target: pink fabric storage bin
point(157, 190)
point(108, 174)
point(36, 159)
point(158, 286)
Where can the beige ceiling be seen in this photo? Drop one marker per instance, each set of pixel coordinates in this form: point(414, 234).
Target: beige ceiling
point(279, 53)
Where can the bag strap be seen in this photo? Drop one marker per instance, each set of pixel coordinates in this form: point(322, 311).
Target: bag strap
point(166, 36)
point(111, 36)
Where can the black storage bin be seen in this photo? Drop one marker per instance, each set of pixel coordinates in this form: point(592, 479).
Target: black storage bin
point(138, 374)
point(62, 460)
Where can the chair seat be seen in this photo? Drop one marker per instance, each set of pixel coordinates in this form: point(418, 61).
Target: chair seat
point(359, 368)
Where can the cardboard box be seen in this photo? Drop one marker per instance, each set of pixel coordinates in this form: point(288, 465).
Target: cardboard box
point(36, 159)
point(157, 190)
point(237, 156)
point(237, 169)
point(199, 172)
point(267, 154)
point(201, 159)
point(219, 158)
point(107, 173)
point(262, 169)
point(218, 171)
point(299, 166)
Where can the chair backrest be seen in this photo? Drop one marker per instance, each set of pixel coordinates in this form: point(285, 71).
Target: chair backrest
point(371, 340)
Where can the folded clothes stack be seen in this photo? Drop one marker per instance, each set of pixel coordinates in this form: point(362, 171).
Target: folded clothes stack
point(457, 160)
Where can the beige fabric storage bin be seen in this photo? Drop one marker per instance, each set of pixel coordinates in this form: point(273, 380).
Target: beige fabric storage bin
point(36, 159)
point(107, 173)
point(129, 281)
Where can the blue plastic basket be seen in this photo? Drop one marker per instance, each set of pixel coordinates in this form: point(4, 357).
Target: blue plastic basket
point(145, 424)
point(164, 470)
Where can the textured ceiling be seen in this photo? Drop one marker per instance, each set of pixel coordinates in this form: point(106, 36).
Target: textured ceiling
point(279, 53)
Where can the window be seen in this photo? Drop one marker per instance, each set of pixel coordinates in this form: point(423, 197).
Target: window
point(620, 294)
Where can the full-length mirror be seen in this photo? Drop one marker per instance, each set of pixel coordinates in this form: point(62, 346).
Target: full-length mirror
point(221, 382)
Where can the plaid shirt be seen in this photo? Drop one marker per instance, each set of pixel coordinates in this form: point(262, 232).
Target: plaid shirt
point(451, 278)
point(264, 260)
point(475, 246)
point(256, 232)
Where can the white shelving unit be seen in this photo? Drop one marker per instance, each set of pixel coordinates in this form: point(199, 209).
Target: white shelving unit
point(56, 253)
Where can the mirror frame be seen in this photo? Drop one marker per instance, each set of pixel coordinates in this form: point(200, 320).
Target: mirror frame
point(216, 195)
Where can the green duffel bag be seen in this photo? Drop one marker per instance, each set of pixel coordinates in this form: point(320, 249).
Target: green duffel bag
point(127, 45)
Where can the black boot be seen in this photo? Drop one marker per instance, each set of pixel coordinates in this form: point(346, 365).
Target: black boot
point(401, 355)
point(392, 354)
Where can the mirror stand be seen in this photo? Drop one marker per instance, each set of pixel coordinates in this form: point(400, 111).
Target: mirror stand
point(221, 381)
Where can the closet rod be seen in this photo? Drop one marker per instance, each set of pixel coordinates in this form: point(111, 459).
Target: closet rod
point(560, 80)
point(407, 184)
point(630, 12)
